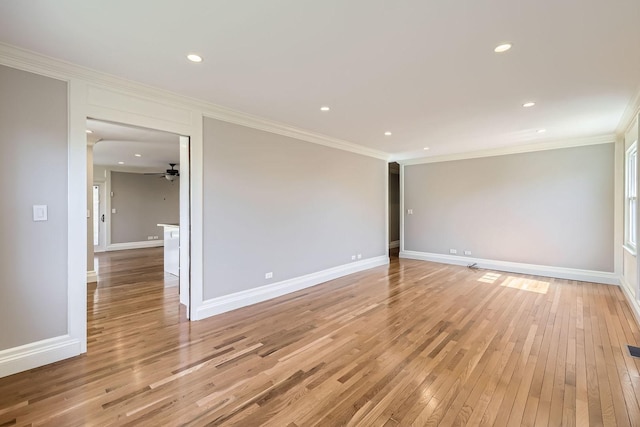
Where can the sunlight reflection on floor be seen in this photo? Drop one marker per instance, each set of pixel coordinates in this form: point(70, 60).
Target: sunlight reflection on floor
point(523, 284)
point(530, 285)
point(489, 277)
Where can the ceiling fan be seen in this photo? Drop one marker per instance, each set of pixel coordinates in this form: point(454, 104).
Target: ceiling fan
point(170, 174)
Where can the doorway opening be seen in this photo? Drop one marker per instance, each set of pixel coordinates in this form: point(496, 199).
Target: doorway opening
point(138, 186)
point(394, 209)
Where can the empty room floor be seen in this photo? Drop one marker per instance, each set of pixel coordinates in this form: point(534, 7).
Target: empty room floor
point(415, 343)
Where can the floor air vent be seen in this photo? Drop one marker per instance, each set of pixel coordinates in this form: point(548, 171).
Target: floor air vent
point(634, 351)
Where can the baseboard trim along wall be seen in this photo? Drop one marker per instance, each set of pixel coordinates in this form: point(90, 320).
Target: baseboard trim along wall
point(135, 245)
point(394, 244)
point(633, 303)
point(29, 356)
point(516, 267)
point(92, 276)
point(241, 299)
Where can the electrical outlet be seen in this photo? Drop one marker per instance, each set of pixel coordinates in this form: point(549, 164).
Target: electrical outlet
point(359, 256)
point(155, 237)
point(467, 252)
point(113, 210)
point(268, 275)
point(353, 257)
point(149, 237)
point(453, 251)
point(409, 211)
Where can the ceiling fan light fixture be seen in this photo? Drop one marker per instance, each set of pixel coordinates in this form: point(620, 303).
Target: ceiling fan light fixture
point(170, 177)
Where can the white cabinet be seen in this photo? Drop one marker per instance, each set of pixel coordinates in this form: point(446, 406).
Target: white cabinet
point(171, 248)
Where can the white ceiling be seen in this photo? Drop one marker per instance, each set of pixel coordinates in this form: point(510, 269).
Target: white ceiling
point(120, 143)
point(424, 70)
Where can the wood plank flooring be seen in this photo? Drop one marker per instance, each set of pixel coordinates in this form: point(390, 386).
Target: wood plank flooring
point(415, 343)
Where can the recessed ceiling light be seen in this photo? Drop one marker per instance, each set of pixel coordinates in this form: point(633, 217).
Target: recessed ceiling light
point(194, 58)
point(325, 108)
point(502, 48)
point(121, 163)
point(89, 131)
point(138, 155)
point(426, 148)
point(528, 104)
point(541, 130)
point(387, 133)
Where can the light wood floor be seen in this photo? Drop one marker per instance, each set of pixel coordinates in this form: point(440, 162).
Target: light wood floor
point(413, 343)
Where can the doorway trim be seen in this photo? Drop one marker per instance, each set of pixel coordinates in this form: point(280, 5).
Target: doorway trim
point(107, 105)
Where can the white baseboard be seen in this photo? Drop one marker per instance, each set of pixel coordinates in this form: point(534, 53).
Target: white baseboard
point(135, 245)
point(394, 244)
point(516, 267)
point(633, 302)
point(241, 299)
point(92, 276)
point(29, 356)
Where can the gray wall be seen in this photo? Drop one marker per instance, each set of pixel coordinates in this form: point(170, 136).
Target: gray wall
point(394, 207)
point(276, 204)
point(141, 202)
point(550, 208)
point(33, 255)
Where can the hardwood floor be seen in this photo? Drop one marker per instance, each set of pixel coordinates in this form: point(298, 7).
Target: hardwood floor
point(415, 343)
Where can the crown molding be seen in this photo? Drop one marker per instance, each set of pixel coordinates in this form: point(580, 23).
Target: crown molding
point(630, 113)
point(52, 67)
point(518, 149)
point(254, 122)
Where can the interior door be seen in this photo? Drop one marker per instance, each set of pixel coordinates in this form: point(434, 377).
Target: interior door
point(99, 219)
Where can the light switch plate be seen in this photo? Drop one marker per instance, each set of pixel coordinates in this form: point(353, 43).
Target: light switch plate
point(40, 212)
point(113, 210)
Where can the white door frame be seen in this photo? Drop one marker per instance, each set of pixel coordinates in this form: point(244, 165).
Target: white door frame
point(186, 209)
point(185, 214)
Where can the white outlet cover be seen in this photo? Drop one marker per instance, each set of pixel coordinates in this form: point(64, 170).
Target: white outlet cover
point(113, 210)
point(467, 252)
point(268, 275)
point(453, 251)
point(409, 211)
point(353, 257)
point(359, 256)
point(40, 213)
